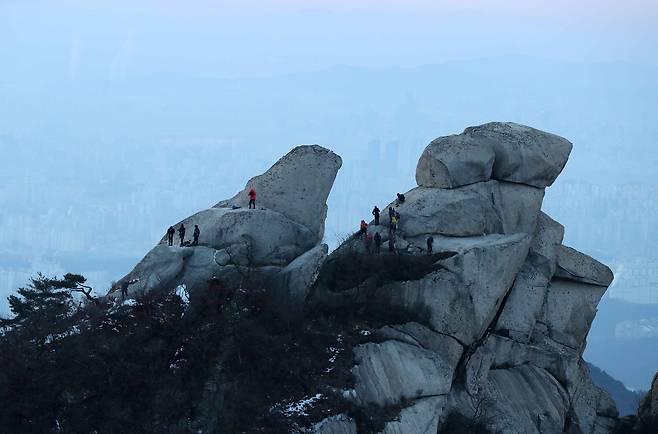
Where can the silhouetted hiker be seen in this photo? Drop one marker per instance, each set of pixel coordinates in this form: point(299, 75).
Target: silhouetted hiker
point(401, 198)
point(170, 235)
point(430, 244)
point(375, 212)
point(252, 198)
point(378, 242)
point(363, 228)
point(196, 234)
point(181, 234)
point(391, 212)
point(124, 289)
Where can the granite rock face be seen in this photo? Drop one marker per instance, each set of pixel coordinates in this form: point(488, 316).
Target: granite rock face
point(277, 242)
point(504, 151)
point(490, 326)
point(479, 209)
point(454, 161)
point(296, 186)
point(500, 316)
point(524, 155)
point(573, 265)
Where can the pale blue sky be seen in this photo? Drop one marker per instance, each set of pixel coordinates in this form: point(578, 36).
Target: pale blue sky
point(42, 40)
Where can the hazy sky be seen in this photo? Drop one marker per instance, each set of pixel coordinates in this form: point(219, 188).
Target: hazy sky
point(112, 39)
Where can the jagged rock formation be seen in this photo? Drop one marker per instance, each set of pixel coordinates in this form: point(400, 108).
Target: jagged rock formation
point(499, 326)
point(277, 244)
point(491, 327)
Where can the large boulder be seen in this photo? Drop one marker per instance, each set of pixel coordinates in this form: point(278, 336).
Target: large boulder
point(390, 372)
point(592, 409)
point(241, 246)
point(526, 400)
point(159, 268)
point(296, 186)
point(499, 150)
point(462, 298)
point(525, 302)
point(569, 310)
point(454, 161)
point(474, 210)
point(270, 237)
point(498, 351)
point(292, 284)
point(523, 154)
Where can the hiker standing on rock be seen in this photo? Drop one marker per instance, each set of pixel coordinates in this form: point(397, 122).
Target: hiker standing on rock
point(375, 212)
point(394, 224)
point(363, 228)
point(124, 289)
point(430, 244)
point(181, 234)
point(252, 198)
point(170, 235)
point(196, 234)
point(378, 242)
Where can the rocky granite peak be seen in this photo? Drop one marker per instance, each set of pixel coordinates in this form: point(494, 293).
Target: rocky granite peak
point(489, 327)
point(497, 323)
point(286, 226)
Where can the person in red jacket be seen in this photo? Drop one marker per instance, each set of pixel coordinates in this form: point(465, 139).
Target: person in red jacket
point(252, 198)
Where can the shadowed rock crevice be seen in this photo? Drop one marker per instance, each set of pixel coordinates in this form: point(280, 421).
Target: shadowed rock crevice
point(353, 269)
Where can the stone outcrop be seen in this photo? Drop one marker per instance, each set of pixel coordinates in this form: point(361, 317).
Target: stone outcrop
point(478, 209)
point(573, 265)
point(277, 243)
point(292, 283)
point(296, 186)
point(490, 327)
point(499, 325)
point(454, 161)
point(504, 151)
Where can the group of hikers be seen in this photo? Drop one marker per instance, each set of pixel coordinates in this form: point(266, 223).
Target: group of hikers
point(197, 232)
point(181, 234)
point(393, 215)
point(394, 219)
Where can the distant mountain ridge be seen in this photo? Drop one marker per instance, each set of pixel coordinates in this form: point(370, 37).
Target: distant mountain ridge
point(627, 401)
